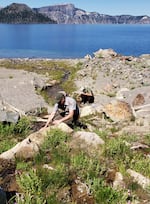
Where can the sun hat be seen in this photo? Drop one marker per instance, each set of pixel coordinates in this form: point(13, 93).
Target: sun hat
point(58, 97)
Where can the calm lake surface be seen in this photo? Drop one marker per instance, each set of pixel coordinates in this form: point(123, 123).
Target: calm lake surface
point(71, 41)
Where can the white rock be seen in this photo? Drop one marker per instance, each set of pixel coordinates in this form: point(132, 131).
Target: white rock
point(64, 127)
point(140, 179)
point(118, 182)
point(87, 110)
point(90, 138)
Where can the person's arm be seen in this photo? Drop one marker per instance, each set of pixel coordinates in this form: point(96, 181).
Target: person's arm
point(87, 94)
point(67, 117)
point(50, 118)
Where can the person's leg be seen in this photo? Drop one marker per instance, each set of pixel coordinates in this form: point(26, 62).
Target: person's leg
point(91, 99)
point(76, 121)
point(84, 98)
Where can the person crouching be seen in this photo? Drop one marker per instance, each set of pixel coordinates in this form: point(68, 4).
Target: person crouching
point(65, 110)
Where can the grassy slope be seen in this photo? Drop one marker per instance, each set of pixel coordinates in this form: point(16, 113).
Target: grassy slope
point(93, 169)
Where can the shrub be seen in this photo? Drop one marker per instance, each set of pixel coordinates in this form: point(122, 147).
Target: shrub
point(30, 185)
point(10, 133)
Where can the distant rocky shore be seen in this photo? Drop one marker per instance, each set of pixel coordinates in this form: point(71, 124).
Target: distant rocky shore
point(64, 14)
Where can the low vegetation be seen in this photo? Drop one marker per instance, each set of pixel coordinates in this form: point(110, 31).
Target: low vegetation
point(65, 167)
point(11, 134)
point(38, 184)
point(54, 172)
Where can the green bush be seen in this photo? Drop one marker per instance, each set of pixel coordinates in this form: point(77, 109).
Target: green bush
point(53, 179)
point(11, 133)
point(117, 149)
point(56, 144)
point(107, 195)
point(21, 128)
point(141, 164)
point(84, 166)
point(31, 186)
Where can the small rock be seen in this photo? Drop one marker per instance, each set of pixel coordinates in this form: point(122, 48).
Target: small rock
point(139, 100)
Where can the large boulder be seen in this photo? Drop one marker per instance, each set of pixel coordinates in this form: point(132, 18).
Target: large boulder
point(18, 88)
point(142, 111)
point(25, 150)
point(87, 110)
point(135, 130)
point(9, 116)
point(87, 139)
point(63, 127)
point(8, 113)
point(30, 146)
point(137, 96)
point(118, 111)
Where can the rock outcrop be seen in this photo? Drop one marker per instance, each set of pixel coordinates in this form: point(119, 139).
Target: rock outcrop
point(18, 94)
point(21, 13)
point(69, 14)
point(118, 111)
point(63, 14)
point(123, 79)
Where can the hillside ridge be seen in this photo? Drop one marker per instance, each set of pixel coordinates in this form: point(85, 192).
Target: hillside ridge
point(64, 14)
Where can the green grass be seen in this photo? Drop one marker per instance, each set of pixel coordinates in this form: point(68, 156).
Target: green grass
point(31, 185)
point(10, 134)
point(59, 70)
point(141, 164)
point(39, 184)
point(66, 164)
point(106, 194)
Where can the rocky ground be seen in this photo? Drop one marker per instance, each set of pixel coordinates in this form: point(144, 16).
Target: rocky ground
point(121, 85)
point(108, 74)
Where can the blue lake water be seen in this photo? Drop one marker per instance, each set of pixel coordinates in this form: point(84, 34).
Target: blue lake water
point(71, 41)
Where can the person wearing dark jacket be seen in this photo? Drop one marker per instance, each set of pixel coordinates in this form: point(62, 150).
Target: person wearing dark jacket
point(87, 96)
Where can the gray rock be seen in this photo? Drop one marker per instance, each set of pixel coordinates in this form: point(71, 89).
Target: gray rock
point(68, 14)
point(8, 116)
point(90, 138)
point(18, 89)
point(140, 179)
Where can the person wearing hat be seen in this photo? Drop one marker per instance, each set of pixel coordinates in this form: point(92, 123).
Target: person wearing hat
point(65, 110)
